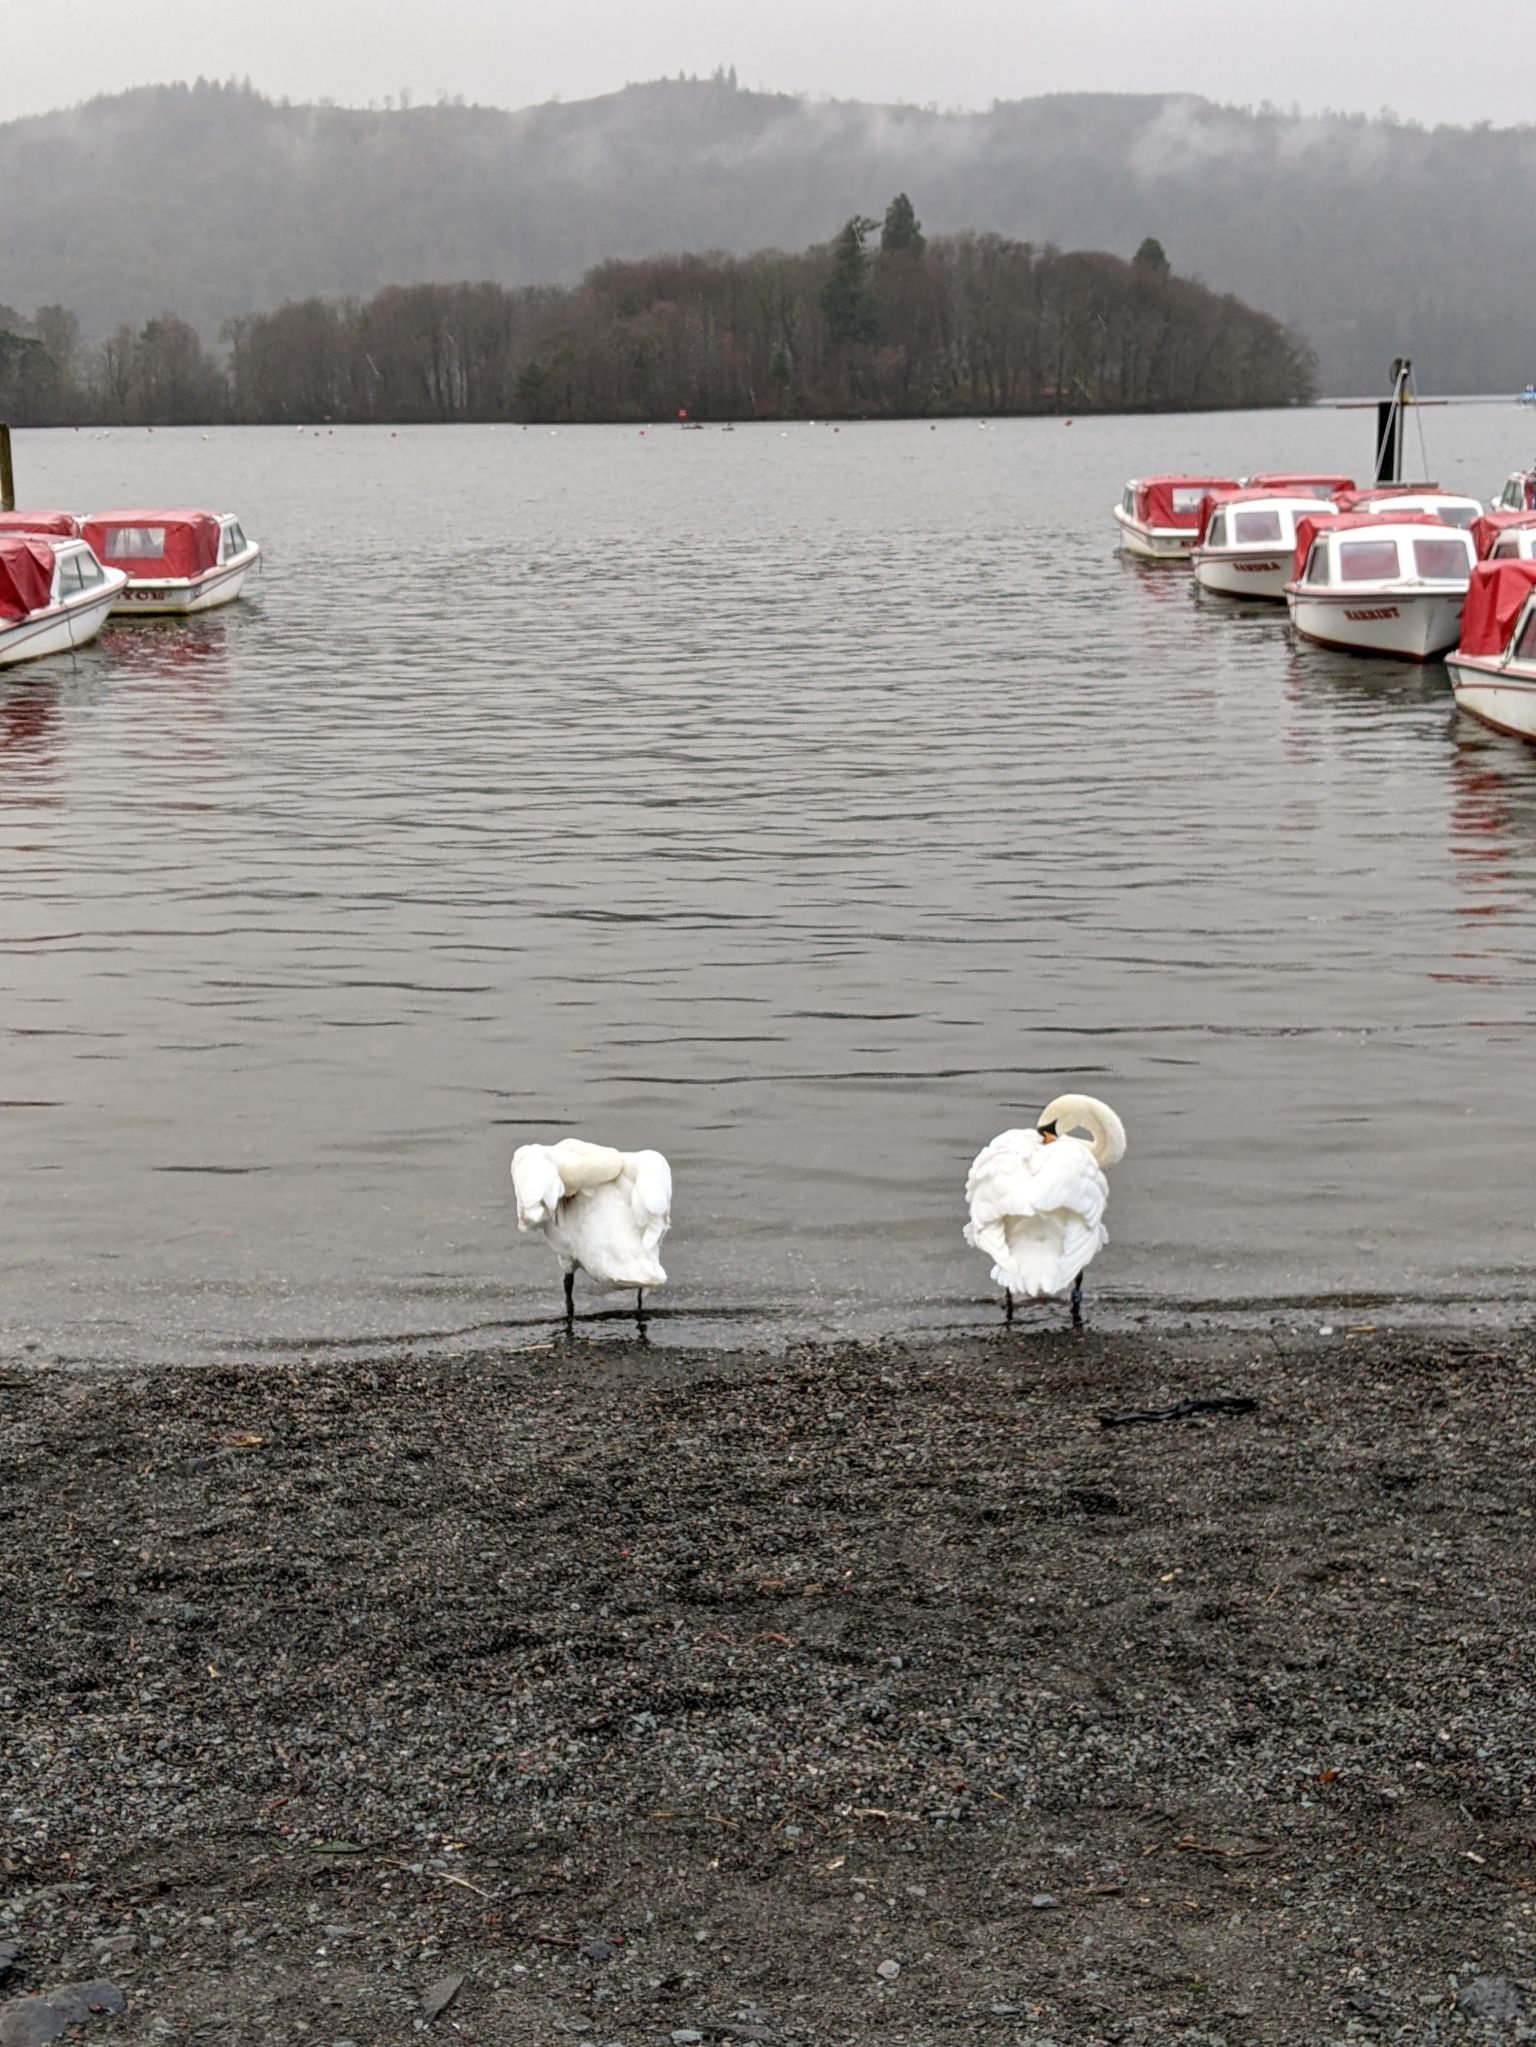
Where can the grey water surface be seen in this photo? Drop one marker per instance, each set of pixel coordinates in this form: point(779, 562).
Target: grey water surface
point(810, 804)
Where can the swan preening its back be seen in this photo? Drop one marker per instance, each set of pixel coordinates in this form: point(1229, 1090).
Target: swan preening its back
point(602, 1212)
point(1037, 1198)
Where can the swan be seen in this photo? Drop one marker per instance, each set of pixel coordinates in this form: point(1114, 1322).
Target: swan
point(602, 1212)
point(1037, 1199)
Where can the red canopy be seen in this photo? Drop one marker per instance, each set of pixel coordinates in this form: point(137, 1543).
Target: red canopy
point(26, 575)
point(1328, 486)
point(1338, 522)
point(1497, 592)
point(1154, 499)
point(64, 524)
point(1486, 530)
point(1351, 500)
point(149, 545)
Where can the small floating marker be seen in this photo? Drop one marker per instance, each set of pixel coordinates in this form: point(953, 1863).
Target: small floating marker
point(1066, 422)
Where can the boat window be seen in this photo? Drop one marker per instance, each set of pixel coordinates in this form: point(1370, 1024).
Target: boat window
point(1190, 498)
point(1256, 526)
point(69, 576)
point(1525, 646)
point(234, 541)
point(91, 571)
point(1505, 551)
point(1446, 559)
point(1456, 515)
point(1128, 502)
point(1216, 532)
point(134, 543)
point(1367, 561)
point(1317, 563)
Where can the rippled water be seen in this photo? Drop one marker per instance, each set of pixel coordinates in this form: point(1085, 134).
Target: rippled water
point(809, 804)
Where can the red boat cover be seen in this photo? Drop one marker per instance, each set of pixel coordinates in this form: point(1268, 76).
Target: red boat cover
point(26, 575)
point(1494, 601)
point(1338, 522)
point(1304, 483)
point(1154, 499)
point(1351, 500)
point(1486, 530)
point(149, 545)
point(64, 524)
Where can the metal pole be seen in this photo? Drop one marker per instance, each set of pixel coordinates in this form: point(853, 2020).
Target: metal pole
point(7, 475)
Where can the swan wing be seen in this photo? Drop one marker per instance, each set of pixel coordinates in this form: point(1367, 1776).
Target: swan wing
point(536, 1185)
point(650, 1196)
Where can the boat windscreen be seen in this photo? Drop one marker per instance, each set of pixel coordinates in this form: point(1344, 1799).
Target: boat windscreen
point(1367, 561)
point(1447, 561)
point(1255, 526)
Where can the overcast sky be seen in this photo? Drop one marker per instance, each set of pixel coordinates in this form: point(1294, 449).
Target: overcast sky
point(1428, 60)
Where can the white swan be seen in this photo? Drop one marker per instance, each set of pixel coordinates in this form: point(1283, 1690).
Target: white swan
point(1037, 1199)
point(602, 1212)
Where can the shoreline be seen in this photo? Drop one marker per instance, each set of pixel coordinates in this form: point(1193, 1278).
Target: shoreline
point(663, 1692)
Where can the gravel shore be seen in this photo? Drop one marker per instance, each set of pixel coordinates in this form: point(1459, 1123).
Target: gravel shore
point(855, 1694)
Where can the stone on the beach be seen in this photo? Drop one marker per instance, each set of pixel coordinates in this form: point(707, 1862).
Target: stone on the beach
point(34, 2021)
point(1491, 1997)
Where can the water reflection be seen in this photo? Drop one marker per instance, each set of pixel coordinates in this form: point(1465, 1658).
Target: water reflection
point(30, 736)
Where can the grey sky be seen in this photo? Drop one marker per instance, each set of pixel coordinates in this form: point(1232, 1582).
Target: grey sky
point(1429, 60)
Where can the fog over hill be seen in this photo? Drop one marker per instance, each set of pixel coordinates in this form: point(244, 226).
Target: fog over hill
point(1368, 237)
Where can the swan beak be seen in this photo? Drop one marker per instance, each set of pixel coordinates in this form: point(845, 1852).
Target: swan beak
point(1047, 1133)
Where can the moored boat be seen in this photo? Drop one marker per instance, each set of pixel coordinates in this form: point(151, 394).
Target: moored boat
point(1505, 536)
point(1451, 508)
point(1518, 494)
point(1248, 541)
point(54, 595)
point(63, 525)
point(1300, 483)
point(1390, 583)
point(1493, 669)
point(1160, 516)
point(175, 562)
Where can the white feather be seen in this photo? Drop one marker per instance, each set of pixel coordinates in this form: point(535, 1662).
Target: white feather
point(1037, 1210)
point(602, 1212)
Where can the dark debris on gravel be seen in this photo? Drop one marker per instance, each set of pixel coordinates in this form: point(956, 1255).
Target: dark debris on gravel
point(859, 1693)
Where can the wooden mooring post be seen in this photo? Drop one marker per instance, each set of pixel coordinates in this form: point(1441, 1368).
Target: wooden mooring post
point(7, 475)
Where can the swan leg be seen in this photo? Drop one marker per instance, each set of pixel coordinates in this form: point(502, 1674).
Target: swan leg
point(570, 1297)
point(1008, 1304)
point(1077, 1302)
point(639, 1303)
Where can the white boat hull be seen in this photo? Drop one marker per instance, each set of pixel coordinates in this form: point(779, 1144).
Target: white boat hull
point(61, 627)
point(1502, 694)
point(1231, 574)
point(180, 596)
point(1408, 625)
point(1154, 543)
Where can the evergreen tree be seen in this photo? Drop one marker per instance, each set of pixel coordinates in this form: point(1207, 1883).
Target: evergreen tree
point(1150, 256)
point(847, 304)
point(903, 231)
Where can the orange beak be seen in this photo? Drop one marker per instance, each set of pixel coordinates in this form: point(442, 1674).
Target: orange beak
point(1047, 1137)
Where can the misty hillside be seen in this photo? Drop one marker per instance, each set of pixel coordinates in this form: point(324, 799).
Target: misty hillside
point(1368, 237)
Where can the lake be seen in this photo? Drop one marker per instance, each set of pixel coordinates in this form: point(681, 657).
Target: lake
point(810, 804)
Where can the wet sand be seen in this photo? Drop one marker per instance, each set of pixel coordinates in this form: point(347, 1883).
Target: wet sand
point(873, 1693)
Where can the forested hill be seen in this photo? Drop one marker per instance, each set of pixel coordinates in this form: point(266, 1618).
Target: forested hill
point(1368, 237)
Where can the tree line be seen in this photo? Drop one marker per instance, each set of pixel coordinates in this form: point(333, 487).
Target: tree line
point(881, 322)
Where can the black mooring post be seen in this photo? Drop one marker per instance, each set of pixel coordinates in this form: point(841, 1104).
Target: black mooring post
point(7, 476)
point(1389, 425)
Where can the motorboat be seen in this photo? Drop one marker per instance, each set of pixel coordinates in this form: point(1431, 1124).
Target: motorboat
point(64, 525)
point(175, 562)
point(54, 595)
point(1160, 516)
point(1505, 536)
point(1450, 507)
point(1518, 494)
point(1248, 541)
point(1493, 669)
point(1384, 583)
point(1300, 483)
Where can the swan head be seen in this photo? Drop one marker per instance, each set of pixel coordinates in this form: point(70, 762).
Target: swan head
point(1106, 1133)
